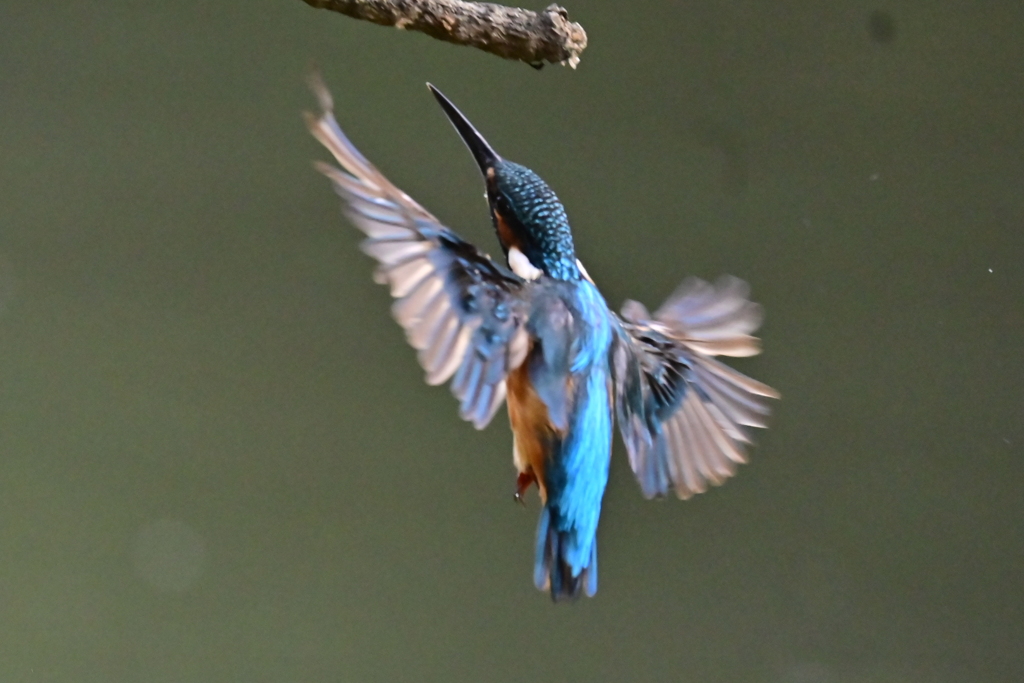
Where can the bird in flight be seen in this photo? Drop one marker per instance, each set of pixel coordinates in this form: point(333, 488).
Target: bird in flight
point(535, 333)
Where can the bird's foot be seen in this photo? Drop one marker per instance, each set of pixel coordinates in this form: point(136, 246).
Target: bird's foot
point(523, 483)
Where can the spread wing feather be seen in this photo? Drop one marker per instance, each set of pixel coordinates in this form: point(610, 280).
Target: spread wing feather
point(684, 416)
point(462, 313)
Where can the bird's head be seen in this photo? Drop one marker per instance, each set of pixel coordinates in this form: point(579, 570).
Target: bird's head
point(530, 221)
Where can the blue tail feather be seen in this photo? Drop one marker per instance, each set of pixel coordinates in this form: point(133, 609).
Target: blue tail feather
point(553, 569)
point(542, 560)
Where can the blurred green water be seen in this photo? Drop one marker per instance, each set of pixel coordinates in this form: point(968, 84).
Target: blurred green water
point(219, 460)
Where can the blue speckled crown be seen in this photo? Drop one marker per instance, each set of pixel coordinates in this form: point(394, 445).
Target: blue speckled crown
point(538, 210)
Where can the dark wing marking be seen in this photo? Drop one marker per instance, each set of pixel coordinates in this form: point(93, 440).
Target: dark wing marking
point(684, 416)
point(462, 312)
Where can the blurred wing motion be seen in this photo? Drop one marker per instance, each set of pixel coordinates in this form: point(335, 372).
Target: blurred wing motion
point(462, 312)
point(684, 416)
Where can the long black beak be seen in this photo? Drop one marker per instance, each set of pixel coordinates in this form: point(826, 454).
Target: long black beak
point(485, 156)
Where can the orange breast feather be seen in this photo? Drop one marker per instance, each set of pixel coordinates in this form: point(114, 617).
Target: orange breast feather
point(506, 234)
point(532, 431)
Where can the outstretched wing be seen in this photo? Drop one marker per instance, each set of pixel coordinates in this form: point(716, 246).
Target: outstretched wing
point(463, 313)
point(684, 416)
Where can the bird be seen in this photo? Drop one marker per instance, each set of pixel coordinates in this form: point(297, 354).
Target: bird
point(533, 331)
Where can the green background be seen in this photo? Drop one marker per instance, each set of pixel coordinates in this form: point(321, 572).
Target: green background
point(219, 462)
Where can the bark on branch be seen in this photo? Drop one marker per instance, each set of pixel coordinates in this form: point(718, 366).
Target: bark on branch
point(509, 32)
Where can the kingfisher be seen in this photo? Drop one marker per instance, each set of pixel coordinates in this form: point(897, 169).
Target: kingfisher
point(533, 331)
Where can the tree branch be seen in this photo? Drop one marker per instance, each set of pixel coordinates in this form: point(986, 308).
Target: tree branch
point(509, 32)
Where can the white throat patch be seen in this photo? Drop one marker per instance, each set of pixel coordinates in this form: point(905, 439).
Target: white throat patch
point(521, 265)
